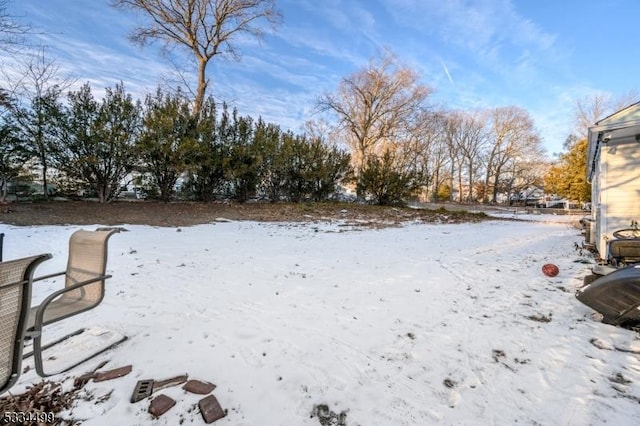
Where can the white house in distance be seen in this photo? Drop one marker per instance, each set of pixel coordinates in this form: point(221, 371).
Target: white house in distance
point(613, 169)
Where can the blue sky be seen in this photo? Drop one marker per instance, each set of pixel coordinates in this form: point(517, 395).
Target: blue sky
point(540, 55)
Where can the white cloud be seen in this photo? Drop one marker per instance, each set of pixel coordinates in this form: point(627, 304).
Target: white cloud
point(491, 32)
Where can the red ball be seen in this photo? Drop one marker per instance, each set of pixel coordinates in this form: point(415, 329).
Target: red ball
point(550, 270)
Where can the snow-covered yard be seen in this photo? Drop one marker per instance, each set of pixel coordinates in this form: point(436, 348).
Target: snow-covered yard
point(413, 325)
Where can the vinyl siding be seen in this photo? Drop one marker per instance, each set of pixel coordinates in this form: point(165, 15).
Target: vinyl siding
point(619, 184)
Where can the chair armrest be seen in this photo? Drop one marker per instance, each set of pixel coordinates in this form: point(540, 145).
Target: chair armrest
point(43, 306)
point(44, 277)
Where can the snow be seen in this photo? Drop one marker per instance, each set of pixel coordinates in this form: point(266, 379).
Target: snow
point(411, 325)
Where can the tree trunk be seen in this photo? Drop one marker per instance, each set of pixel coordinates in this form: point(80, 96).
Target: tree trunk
point(496, 180)
point(490, 161)
point(4, 183)
point(103, 191)
point(460, 184)
point(453, 177)
point(359, 166)
point(470, 197)
point(43, 158)
point(45, 186)
point(435, 184)
point(202, 86)
point(487, 178)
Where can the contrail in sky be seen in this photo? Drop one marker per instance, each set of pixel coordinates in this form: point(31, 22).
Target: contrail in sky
point(446, 70)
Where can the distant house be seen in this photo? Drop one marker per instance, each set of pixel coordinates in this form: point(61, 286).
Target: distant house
point(613, 169)
point(529, 196)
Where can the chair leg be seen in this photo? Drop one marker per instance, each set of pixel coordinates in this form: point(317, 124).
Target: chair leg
point(38, 349)
point(55, 342)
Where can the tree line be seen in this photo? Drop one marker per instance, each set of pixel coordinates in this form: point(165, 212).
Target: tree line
point(96, 145)
point(89, 145)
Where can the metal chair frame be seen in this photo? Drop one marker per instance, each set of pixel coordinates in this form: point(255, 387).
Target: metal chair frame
point(78, 295)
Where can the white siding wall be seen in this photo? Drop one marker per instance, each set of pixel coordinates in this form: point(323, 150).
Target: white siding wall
point(595, 203)
point(619, 182)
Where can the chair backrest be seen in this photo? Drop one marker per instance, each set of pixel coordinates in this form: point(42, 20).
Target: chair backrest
point(15, 300)
point(87, 259)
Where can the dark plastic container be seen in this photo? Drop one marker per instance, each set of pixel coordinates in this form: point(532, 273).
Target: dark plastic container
point(616, 296)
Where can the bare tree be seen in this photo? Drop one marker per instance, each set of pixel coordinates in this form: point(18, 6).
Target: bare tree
point(590, 109)
point(466, 137)
point(434, 151)
point(12, 32)
point(375, 104)
point(472, 141)
point(512, 135)
point(451, 122)
point(206, 28)
point(420, 148)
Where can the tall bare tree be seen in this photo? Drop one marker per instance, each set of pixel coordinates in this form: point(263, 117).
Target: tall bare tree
point(465, 134)
point(451, 122)
point(375, 104)
point(438, 157)
point(206, 28)
point(427, 140)
point(512, 135)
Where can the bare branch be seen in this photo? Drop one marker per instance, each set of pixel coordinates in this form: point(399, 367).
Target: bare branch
point(12, 32)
